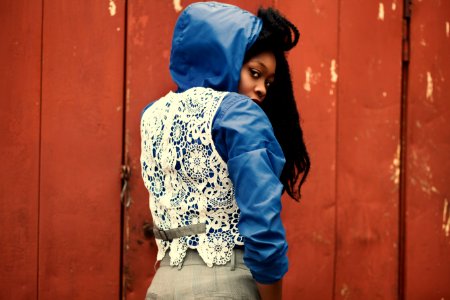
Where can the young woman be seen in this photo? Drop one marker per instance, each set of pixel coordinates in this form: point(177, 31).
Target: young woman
point(218, 154)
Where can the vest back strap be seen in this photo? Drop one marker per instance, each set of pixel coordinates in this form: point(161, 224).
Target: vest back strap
point(170, 234)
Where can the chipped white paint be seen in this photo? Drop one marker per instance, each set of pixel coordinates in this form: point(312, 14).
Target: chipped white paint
point(446, 219)
point(307, 84)
point(334, 76)
point(381, 11)
point(395, 167)
point(444, 212)
point(384, 94)
point(177, 5)
point(424, 178)
point(447, 29)
point(429, 93)
point(118, 28)
point(112, 8)
point(345, 291)
point(333, 104)
point(394, 6)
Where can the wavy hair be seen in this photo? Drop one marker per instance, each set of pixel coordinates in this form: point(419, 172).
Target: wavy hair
point(278, 35)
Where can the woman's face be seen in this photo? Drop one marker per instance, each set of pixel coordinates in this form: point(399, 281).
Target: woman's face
point(257, 74)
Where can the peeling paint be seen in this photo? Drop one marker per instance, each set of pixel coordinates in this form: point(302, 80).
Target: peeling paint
point(345, 291)
point(112, 8)
point(444, 212)
point(334, 76)
point(139, 24)
point(333, 104)
point(395, 166)
point(177, 5)
point(307, 84)
point(381, 11)
point(446, 219)
point(127, 98)
point(429, 93)
point(118, 28)
point(394, 6)
point(447, 29)
point(384, 94)
point(424, 177)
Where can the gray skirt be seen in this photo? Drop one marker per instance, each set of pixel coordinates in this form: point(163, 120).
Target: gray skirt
point(195, 280)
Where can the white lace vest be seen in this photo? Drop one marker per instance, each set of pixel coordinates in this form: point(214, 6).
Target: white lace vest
point(187, 179)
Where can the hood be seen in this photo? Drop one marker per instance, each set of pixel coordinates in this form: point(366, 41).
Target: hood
point(209, 43)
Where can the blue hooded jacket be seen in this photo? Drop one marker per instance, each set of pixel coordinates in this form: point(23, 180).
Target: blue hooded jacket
point(209, 44)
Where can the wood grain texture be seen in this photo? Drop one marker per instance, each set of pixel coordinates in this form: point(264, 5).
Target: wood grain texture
point(20, 87)
point(368, 129)
point(428, 153)
point(310, 224)
point(82, 111)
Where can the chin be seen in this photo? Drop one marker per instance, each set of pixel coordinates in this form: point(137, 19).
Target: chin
point(259, 102)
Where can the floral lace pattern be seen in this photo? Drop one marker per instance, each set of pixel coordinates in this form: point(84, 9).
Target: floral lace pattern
point(187, 179)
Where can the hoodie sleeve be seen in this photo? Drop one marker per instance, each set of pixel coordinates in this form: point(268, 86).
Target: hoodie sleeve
point(244, 138)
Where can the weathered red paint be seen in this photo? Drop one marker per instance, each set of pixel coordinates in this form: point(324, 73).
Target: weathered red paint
point(428, 153)
point(81, 146)
point(148, 50)
point(60, 194)
point(368, 139)
point(20, 55)
point(310, 224)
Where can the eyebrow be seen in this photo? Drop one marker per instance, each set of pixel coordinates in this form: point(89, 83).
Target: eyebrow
point(262, 65)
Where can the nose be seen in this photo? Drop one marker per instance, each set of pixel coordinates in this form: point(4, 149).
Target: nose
point(260, 90)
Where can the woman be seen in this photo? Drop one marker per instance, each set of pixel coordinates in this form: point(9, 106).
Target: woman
point(211, 159)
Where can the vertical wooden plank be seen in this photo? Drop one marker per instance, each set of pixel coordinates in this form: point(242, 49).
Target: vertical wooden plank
point(369, 98)
point(310, 225)
point(148, 51)
point(428, 153)
point(20, 87)
point(83, 67)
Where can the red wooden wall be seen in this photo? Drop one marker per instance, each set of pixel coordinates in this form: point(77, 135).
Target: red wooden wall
point(62, 75)
point(20, 87)
point(374, 221)
point(427, 157)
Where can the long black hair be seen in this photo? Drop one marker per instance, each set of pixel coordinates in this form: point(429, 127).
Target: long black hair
point(278, 36)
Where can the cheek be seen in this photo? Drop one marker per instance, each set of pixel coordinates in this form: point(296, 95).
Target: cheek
point(243, 87)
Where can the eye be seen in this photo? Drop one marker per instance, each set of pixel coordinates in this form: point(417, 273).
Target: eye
point(255, 73)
